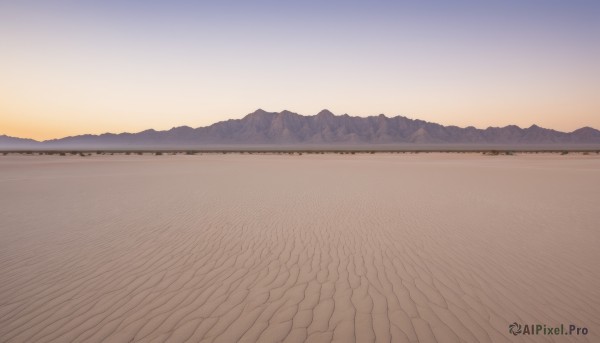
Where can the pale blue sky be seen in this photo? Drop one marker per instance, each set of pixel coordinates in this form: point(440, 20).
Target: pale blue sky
point(72, 67)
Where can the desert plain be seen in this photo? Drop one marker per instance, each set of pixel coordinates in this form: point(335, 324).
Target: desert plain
point(426, 247)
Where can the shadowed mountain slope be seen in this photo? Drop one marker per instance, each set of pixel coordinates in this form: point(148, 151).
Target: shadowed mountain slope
point(325, 128)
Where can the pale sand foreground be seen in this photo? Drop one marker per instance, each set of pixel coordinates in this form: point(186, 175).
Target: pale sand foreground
point(386, 247)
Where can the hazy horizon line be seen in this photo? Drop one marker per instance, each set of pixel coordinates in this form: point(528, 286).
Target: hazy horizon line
point(296, 113)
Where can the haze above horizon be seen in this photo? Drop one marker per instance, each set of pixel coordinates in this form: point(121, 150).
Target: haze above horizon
point(70, 68)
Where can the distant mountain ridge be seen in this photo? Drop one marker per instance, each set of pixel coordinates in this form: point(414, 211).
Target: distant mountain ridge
point(325, 128)
point(7, 140)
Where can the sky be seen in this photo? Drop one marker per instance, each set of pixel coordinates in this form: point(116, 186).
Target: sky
point(75, 67)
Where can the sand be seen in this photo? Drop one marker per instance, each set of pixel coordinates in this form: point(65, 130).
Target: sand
point(316, 248)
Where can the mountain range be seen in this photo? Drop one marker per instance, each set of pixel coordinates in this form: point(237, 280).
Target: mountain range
point(287, 128)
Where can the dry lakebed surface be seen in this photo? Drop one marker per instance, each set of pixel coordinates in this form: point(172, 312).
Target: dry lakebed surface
point(428, 247)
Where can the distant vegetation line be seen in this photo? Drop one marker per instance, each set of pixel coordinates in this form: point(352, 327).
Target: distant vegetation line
point(491, 152)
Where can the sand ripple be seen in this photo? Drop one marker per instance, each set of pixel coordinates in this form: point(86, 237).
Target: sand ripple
point(386, 248)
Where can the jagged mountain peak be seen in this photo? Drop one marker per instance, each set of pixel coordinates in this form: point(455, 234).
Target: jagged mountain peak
point(325, 113)
point(587, 129)
point(286, 127)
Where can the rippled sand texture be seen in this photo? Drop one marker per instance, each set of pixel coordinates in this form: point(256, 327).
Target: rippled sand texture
point(317, 248)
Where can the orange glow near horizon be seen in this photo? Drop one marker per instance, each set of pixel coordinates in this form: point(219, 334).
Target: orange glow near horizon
point(90, 69)
point(44, 130)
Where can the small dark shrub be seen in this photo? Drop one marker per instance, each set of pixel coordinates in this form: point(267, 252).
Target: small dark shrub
point(158, 153)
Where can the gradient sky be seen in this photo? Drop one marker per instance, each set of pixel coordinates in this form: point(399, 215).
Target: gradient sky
point(74, 67)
